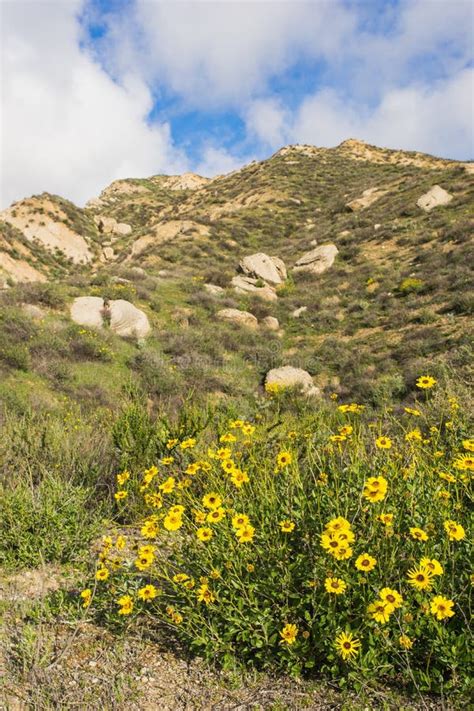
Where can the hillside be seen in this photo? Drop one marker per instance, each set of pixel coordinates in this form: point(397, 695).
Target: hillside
point(397, 298)
point(166, 493)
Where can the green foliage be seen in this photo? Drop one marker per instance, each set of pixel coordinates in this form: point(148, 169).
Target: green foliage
point(52, 520)
point(231, 587)
point(411, 285)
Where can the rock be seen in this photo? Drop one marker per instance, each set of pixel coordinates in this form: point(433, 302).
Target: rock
point(288, 377)
point(119, 280)
point(122, 229)
point(243, 318)
point(33, 311)
point(300, 310)
point(318, 260)
point(368, 197)
point(214, 289)
point(42, 220)
point(435, 197)
point(246, 285)
point(124, 318)
point(261, 266)
point(186, 181)
point(18, 270)
point(377, 226)
point(128, 321)
point(271, 323)
point(109, 226)
point(108, 253)
point(87, 311)
point(344, 233)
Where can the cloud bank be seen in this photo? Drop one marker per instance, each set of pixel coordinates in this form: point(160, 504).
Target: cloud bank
point(94, 90)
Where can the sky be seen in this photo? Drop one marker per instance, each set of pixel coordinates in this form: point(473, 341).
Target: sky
point(96, 90)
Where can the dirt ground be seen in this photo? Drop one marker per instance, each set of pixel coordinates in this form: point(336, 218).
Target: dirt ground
point(47, 662)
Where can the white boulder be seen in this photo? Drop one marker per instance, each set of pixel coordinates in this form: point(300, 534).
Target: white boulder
point(121, 316)
point(271, 323)
point(435, 197)
point(242, 318)
point(87, 311)
point(128, 321)
point(300, 310)
point(247, 285)
point(261, 266)
point(318, 260)
point(289, 377)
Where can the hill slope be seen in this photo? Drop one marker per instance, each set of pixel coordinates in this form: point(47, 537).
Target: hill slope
point(396, 300)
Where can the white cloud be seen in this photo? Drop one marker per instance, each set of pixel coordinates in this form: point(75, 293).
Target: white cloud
point(217, 161)
point(222, 52)
point(267, 120)
point(437, 119)
point(400, 81)
point(67, 127)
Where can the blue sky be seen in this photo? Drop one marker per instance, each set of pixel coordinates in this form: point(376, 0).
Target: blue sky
point(97, 90)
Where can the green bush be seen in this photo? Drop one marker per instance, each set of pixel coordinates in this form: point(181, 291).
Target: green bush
point(411, 285)
point(15, 355)
point(253, 539)
point(51, 521)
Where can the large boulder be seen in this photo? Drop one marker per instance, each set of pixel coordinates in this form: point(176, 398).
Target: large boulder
point(289, 377)
point(242, 318)
point(246, 285)
point(433, 198)
point(261, 266)
point(128, 321)
point(87, 311)
point(123, 317)
point(318, 260)
point(109, 225)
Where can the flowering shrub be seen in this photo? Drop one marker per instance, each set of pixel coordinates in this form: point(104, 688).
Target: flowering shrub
point(330, 541)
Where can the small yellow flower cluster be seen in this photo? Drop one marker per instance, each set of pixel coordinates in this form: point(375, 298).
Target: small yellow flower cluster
point(337, 538)
point(389, 600)
point(375, 489)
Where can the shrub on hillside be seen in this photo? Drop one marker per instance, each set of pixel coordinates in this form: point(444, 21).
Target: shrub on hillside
point(326, 541)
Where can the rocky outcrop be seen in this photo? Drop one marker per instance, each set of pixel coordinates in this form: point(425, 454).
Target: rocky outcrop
point(271, 323)
point(435, 197)
point(186, 181)
point(18, 270)
point(367, 198)
point(289, 377)
point(242, 318)
point(110, 226)
point(318, 260)
point(261, 266)
point(108, 254)
point(121, 316)
point(41, 219)
point(247, 285)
